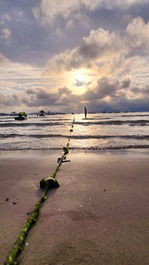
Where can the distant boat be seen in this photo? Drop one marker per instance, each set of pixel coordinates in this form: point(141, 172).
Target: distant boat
point(42, 113)
point(21, 116)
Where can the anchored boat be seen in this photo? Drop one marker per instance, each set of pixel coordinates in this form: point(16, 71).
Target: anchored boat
point(41, 113)
point(21, 116)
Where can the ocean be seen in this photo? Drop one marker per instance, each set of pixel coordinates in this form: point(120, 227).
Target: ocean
point(100, 131)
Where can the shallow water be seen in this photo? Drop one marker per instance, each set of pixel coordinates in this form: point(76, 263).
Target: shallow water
point(98, 131)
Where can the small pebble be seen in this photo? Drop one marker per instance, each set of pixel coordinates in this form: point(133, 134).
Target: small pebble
point(7, 199)
point(104, 189)
point(14, 203)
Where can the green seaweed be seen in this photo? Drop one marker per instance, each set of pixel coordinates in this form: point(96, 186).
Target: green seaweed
point(20, 242)
point(32, 219)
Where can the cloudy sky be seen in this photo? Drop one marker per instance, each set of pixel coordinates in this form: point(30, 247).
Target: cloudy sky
point(63, 55)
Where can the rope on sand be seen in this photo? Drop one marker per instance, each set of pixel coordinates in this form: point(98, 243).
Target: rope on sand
point(46, 184)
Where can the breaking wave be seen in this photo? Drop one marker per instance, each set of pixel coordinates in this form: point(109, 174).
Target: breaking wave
point(31, 124)
point(103, 132)
point(83, 123)
point(137, 137)
point(115, 122)
point(91, 148)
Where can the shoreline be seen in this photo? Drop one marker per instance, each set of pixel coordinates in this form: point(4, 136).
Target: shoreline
point(98, 213)
point(38, 152)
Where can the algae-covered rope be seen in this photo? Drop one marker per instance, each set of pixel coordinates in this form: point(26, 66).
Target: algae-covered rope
point(49, 182)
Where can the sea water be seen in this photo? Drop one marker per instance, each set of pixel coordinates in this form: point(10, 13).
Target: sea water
point(100, 131)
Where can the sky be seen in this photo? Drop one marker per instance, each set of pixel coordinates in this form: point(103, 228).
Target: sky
point(64, 55)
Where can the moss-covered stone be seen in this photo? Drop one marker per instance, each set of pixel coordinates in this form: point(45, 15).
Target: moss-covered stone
point(50, 182)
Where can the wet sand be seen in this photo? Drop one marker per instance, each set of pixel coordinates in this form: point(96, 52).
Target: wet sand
point(99, 215)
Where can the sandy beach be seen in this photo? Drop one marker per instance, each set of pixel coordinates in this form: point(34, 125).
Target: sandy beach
point(99, 215)
point(74, 132)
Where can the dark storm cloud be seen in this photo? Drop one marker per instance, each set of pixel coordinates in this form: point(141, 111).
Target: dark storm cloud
point(80, 36)
point(117, 93)
point(32, 41)
point(9, 100)
point(143, 90)
point(140, 9)
point(40, 97)
point(121, 104)
point(106, 87)
point(30, 91)
point(99, 43)
point(126, 83)
point(115, 17)
point(94, 99)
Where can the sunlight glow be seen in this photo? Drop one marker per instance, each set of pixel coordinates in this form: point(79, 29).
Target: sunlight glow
point(79, 80)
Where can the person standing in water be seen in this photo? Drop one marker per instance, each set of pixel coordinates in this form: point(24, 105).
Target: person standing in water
point(85, 112)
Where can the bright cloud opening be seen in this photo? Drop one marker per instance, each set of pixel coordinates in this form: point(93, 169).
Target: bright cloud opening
point(79, 80)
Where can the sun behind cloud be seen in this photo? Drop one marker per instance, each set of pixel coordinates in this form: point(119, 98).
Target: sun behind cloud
point(79, 80)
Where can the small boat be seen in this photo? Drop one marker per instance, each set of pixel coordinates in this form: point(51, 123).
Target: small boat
point(21, 116)
point(41, 113)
